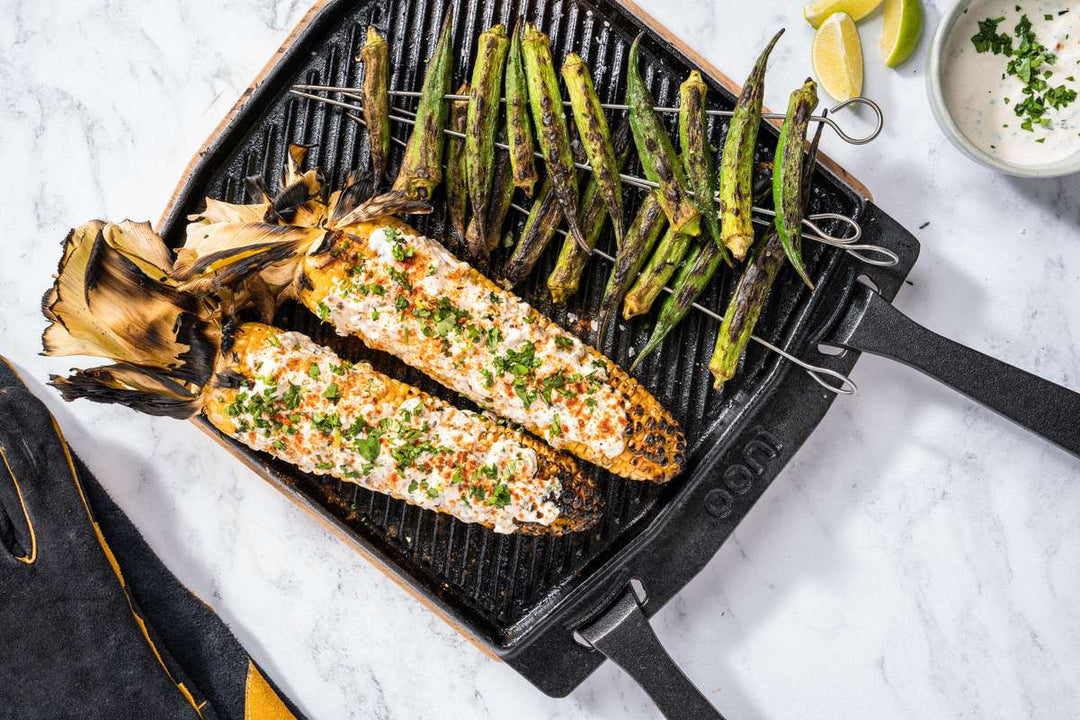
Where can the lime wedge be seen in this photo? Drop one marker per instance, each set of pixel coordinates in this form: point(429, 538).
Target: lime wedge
point(901, 30)
point(816, 12)
point(837, 57)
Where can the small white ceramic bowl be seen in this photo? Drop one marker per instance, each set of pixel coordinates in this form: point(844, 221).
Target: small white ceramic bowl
point(936, 68)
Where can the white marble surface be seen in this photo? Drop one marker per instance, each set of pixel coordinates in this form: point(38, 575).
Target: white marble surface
point(919, 558)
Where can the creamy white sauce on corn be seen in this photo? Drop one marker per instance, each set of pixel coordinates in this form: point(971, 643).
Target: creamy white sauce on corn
point(411, 297)
point(309, 408)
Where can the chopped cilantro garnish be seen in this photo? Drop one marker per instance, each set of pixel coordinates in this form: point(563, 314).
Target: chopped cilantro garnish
point(555, 429)
point(332, 392)
point(368, 447)
point(324, 311)
point(292, 396)
point(500, 496)
point(457, 477)
point(564, 342)
point(313, 371)
point(495, 299)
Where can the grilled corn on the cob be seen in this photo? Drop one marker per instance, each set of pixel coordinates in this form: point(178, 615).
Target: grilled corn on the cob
point(280, 393)
point(403, 293)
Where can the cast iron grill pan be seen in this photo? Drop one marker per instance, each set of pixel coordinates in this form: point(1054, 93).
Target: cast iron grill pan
point(516, 594)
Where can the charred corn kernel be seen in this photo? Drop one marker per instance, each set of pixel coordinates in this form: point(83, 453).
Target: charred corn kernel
point(487, 82)
point(374, 55)
point(593, 130)
point(457, 193)
point(518, 125)
point(658, 158)
point(421, 168)
point(737, 161)
point(404, 294)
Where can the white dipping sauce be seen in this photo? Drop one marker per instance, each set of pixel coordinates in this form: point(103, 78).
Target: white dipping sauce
point(981, 101)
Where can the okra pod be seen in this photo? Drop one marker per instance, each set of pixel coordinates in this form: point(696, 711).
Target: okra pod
point(502, 193)
point(547, 111)
point(669, 253)
point(487, 82)
point(480, 244)
point(788, 172)
point(697, 155)
point(657, 154)
point(639, 241)
point(593, 130)
point(694, 276)
point(746, 303)
point(544, 218)
point(518, 129)
point(457, 195)
point(375, 56)
point(737, 161)
point(566, 275)
point(421, 168)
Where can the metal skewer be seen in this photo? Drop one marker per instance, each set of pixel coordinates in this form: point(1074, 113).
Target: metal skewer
point(818, 373)
point(847, 386)
point(879, 117)
point(817, 234)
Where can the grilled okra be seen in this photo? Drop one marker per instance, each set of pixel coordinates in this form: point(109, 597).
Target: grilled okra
point(566, 275)
point(657, 154)
point(487, 82)
point(374, 55)
point(518, 125)
point(737, 161)
point(544, 218)
point(593, 130)
point(694, 276)
point(421, 168)
point(697, 155)
point(750, 294)
point(547, 111)
point(640, 239)
point(457, 194)
point(669, 253)
point(788, 172)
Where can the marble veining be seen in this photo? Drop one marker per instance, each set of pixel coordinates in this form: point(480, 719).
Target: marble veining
point(919, 558)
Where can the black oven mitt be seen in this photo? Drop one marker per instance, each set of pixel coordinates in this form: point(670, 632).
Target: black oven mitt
point(92, 625)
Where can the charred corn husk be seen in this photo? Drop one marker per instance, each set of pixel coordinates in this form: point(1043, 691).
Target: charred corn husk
point(566, 275)
point(375, 56)
point(518, 129)
point(421, 168)
point(279, 393)
point(487, 82)
point(404, 294)
point(457, 191)
point(547, 111)
point(788, 172)
point(593, 130)
point(658, 158)
point(737, 161)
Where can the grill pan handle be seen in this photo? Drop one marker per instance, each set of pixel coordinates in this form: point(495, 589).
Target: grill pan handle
point(873, 325)
point(623, 634)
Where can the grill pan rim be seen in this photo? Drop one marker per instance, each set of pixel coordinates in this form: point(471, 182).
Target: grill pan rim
point(521, 652)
